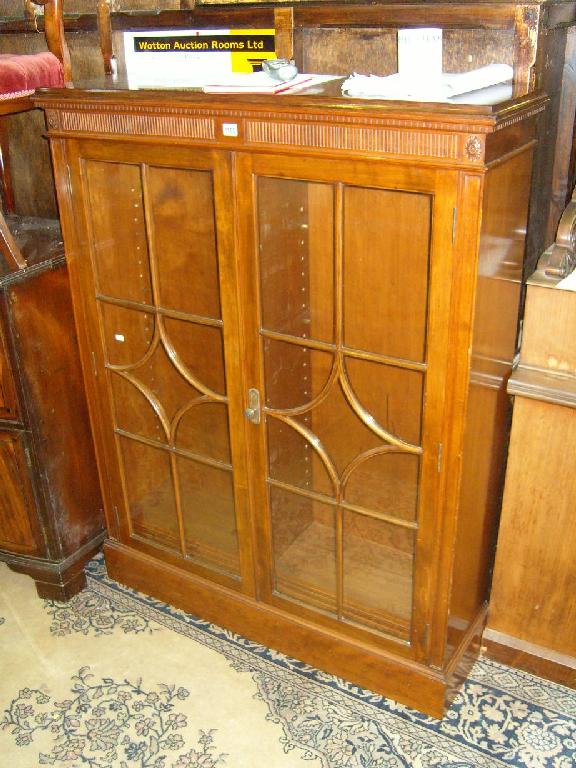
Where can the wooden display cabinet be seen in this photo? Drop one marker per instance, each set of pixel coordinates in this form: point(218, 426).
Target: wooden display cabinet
point(277, 298)
point(51, 518)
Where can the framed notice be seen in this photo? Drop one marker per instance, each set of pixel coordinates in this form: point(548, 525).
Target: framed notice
point(192, 58)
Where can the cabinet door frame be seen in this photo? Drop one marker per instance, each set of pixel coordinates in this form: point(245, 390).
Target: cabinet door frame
point(442, 186)
point(76, 227)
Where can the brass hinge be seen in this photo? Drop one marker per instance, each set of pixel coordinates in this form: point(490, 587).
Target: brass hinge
point(454, 220)
point(440, 456)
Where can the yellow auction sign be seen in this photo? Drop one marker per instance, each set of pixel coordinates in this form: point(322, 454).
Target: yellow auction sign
point(248, 47)
point(250, 59)
point(188, 58)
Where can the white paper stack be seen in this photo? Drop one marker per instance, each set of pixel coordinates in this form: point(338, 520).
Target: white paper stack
point(260, 82)
point(568, 283)
point(442, 88)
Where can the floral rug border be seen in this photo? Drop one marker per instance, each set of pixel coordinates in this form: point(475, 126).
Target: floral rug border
point(552, 707)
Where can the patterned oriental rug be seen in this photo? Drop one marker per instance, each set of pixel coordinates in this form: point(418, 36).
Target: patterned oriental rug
point(115, 678)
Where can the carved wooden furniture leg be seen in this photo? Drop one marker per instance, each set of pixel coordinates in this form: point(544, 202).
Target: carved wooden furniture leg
point(54, 32)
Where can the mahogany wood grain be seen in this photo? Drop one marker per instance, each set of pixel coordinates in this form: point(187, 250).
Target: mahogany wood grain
point(51, 521)
point(17, 530)
point(43, 324)
point(8, 402)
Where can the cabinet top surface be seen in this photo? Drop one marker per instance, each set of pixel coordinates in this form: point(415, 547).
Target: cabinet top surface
point(114, 94)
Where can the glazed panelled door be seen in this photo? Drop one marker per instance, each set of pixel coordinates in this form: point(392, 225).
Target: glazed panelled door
point(164, 326)
point(349, 328)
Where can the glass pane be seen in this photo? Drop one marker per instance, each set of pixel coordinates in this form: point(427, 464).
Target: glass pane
point(198, 350)
point(164, 389)
point(128, 335)
point(386, 483)
point(133, 412)
point(378, 573)
point(294, 375)
point(120, 253)
point(150, 493)
point(207, 498)
point(304, 549)
point(293, 460)
point(386, 253)
point(182, 210)
point(393, 396)
point(203, 430)
point(296, 255)
point(343, 434)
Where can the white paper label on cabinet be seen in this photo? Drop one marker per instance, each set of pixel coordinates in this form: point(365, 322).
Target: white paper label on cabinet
point(119, 337)
point(230, 129)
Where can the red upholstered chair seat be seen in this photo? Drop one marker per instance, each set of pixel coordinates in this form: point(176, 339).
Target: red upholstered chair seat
point(20, 75)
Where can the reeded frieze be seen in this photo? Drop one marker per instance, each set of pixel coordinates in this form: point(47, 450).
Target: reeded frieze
point(443, 139)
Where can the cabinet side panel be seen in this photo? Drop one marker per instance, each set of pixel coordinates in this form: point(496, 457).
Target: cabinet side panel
point(52, 380)
point(502, 243)
point(535, 572)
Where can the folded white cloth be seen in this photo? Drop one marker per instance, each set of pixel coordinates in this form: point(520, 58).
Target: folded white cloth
point(568, 283)
point(439, 89)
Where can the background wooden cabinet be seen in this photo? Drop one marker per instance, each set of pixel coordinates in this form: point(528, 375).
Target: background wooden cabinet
point(532, 621)
point(51, 518)
point(276, 332)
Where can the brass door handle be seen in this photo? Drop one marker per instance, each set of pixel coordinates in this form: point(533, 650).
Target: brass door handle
point(252, 412)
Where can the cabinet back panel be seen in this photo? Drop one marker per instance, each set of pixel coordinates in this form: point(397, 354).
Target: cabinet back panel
point(180, 206)
point(386, 253)
point(120, 253)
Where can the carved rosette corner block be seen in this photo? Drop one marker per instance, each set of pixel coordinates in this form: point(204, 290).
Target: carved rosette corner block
point(52, 120)
point(473, 149)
